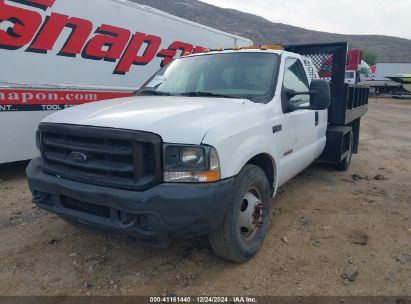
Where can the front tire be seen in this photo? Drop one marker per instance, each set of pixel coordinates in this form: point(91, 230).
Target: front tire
point(247, 217)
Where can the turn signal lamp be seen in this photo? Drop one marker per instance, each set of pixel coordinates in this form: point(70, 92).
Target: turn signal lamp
point(206, 50)
point(192, 177)
point(220, 49)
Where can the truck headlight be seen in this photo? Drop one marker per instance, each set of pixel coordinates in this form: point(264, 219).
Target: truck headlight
point(191, 164)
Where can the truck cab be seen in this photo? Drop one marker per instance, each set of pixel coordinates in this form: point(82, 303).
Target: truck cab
point(199, 150)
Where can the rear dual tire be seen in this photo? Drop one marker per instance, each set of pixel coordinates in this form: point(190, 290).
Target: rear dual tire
point(344, 165)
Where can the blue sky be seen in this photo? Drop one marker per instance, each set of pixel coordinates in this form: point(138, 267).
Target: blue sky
point(384, 17)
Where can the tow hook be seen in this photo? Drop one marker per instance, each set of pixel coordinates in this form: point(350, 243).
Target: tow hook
point(40, 198)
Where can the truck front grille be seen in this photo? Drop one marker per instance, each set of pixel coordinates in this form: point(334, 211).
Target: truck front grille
point(102, 156)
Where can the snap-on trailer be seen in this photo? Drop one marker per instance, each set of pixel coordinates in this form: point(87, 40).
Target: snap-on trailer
point(348, 102)
point(56, 54)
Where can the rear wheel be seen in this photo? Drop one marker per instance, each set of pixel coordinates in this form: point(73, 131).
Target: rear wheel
point(247, 218)
point(346, 162)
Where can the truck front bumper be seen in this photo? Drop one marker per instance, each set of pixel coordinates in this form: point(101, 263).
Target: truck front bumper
point(157, 216)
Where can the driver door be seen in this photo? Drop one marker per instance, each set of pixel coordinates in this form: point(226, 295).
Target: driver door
point(300, 127)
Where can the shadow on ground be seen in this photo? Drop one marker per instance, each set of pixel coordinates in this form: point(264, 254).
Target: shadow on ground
point(13, 170)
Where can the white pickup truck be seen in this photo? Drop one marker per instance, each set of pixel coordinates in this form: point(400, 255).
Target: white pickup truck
point(201, 148)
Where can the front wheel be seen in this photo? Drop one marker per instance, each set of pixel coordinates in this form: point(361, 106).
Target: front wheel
point(247, 217)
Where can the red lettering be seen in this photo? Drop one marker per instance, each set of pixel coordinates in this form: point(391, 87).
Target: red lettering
point(42, 4)
point(25, 25)
point(131, 56)
point(53, 28)
point(171, 52)
point(198, 50)
point(113, 38)
point(109, 43)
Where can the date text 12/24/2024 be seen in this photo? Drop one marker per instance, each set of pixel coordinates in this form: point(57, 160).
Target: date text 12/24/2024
point(203, 299)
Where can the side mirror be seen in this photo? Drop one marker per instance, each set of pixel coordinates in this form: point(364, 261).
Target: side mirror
point(320, 95)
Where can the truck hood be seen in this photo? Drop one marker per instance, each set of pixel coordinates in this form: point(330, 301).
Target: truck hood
point(176, 119)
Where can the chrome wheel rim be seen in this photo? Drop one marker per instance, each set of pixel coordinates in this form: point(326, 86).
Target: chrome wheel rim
point(251, 214)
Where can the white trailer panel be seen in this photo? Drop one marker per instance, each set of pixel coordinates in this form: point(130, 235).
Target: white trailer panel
point(390, 69)
point(59, 53)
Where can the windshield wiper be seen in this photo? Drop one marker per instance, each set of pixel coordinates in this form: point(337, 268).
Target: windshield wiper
point(153, 93)
point(190, 94)
point(208, 94)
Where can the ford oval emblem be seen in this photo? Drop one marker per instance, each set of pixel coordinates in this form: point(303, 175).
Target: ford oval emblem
point(78, 157)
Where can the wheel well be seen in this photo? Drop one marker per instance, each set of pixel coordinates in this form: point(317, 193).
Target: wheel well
point(266, 164)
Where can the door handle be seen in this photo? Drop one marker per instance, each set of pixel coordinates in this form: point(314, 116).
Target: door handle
point(277, 129)
point(317, 118)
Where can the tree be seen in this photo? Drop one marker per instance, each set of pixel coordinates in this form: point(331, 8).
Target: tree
point(369, 57)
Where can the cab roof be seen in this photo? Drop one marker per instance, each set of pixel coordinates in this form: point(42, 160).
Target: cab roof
point(231, 51)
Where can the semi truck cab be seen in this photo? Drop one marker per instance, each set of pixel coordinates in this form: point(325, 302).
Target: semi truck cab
point(201, 148)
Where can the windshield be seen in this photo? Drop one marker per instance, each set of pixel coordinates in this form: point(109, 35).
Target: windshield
point(234, 75)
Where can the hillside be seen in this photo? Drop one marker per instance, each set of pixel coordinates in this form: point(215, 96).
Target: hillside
point(262, 31)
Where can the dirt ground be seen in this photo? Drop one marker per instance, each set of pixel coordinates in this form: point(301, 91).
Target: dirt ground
point(324, 225)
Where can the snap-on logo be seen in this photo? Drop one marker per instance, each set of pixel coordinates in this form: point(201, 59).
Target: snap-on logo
point(78, 157)
point(26, 28)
